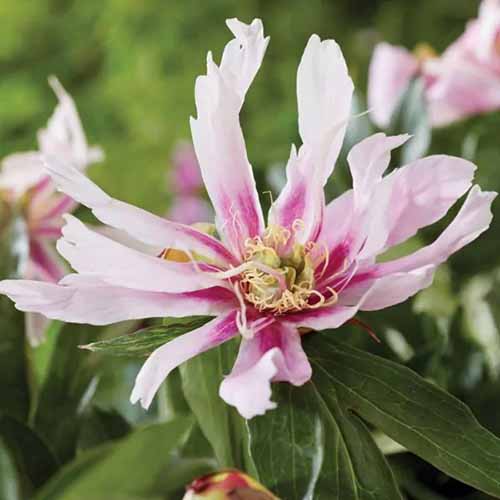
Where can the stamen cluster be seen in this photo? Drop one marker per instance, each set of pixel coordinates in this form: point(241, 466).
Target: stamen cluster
point(280, 273)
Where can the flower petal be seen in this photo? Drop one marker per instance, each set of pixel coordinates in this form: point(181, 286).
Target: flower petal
point(302, 200)
point(58, 206)
point(473, 219)
point(396, 288)
point(334, 234)
point(93, 253)
point(379, 293)
point(35, 326)
point(368, 161)
point(44, 263)
point(188, 209)
point(324, 93)
point(324, 318)
point(185, 176)
point(391, 70)
point(20, 172)
point(424, 191)
point(64, 136)
point(274, 354)
point(140, 224)
point(462, 88)
point(218, 139)
point(157, 367)
point(90, 300)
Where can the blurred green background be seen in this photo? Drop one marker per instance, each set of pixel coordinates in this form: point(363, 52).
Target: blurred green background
point(131, 66)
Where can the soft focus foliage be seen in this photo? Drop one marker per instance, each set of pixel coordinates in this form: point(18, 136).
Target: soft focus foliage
point(131, 67)
point(67, 429)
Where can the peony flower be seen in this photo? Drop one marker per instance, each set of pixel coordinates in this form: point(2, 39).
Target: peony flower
point(227, 485)
point(463, 81)
point(186, 183)
point(313, 266)
point(27, 188)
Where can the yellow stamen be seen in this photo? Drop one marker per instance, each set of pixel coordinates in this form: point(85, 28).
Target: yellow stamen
point(283, 283)
point(424, 51)
point(174, 255)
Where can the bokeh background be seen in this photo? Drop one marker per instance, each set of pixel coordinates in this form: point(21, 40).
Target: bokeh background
point(130, 66)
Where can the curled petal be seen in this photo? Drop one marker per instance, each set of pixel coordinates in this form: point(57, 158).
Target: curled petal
point(140, 224)
point(64, 136)
point(274, 354)
point(424, 191)
point(157, 367)
point(471, 221)
point(92, 253)
point(243, 55)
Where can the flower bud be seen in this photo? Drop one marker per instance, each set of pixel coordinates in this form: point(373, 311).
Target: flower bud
point(227, 485)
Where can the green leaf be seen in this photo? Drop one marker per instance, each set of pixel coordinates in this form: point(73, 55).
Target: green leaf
point(312, 447)
point(417, 414)
point(32, 459)
point(410, 116)
point(68, 389)
point(9, 487)
point(72, 471)
point(145, 341)
point(182, 471)
point(480, 301)
point(41, 355)
point(14, 367)
point(100, 426)
point(220, 423)
point(129, 468)
point(406, 471)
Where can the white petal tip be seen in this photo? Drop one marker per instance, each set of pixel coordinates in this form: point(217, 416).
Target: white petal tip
point(57, 87)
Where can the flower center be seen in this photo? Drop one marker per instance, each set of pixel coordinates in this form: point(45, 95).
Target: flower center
point(281, 274)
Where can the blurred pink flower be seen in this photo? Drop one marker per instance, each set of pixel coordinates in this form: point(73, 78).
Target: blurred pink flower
point(189, 205)
point(25, 185)
point(190, 209)
point(312, 268)
point(463, 81)
point(186, 175)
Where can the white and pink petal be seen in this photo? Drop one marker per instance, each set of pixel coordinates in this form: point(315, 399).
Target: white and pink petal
point(391, 70)
point(169, 356)
point(471, 221)
point(218, 139)
point(140, 224)
point(274, 354)
point(89, 252)
point(89, 299)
